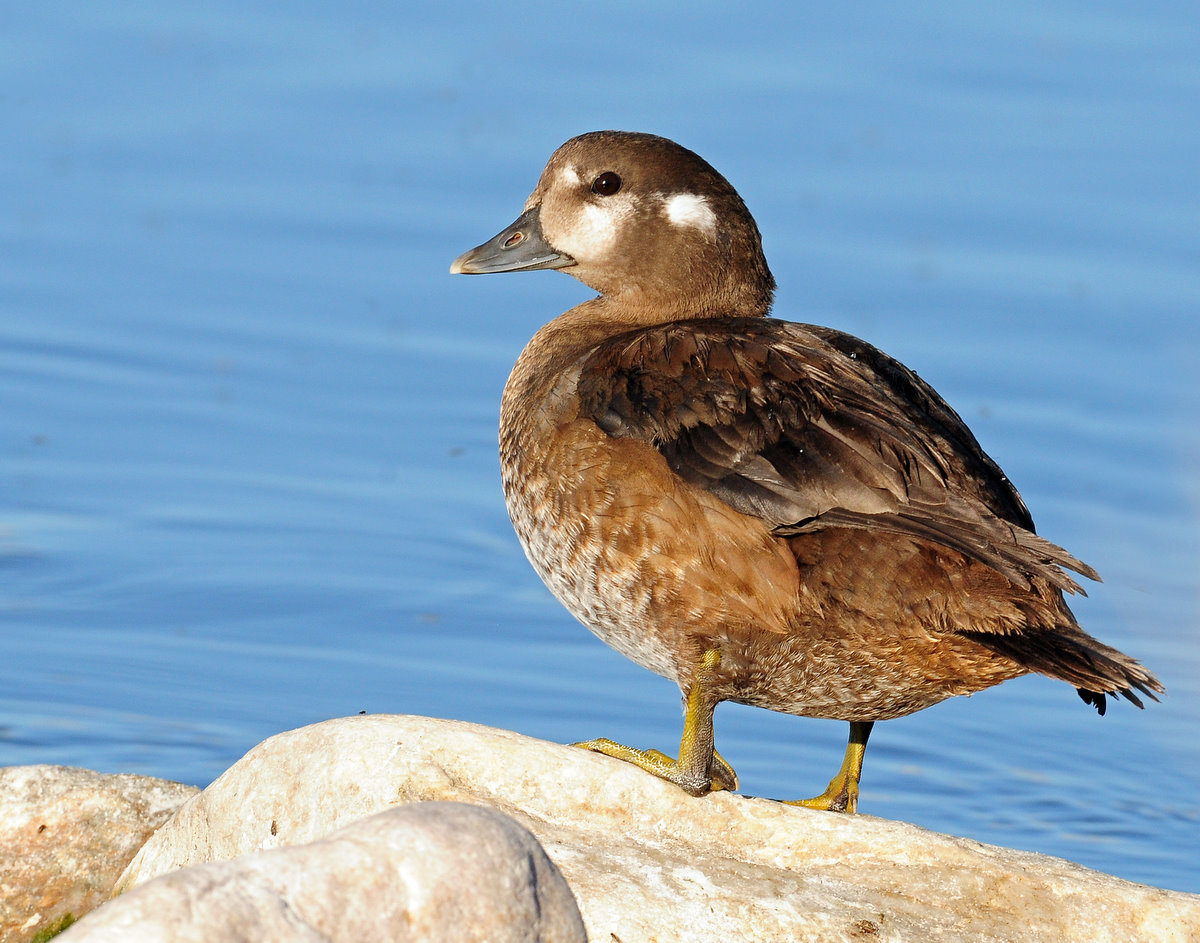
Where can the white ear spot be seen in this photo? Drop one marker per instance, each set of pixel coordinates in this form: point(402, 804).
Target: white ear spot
point(690, 209)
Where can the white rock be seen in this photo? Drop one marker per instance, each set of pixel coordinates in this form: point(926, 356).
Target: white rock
point(648, 862)
point(65, 837)
point(434, 871)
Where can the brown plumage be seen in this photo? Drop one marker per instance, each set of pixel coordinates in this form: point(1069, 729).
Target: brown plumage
point(765, 512)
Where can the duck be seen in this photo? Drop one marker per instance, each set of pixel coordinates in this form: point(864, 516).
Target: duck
point(764, 512)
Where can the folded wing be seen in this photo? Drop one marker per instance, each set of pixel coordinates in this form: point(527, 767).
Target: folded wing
point(808, 428)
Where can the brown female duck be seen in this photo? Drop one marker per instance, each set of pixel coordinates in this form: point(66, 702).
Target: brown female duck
point(764, 512)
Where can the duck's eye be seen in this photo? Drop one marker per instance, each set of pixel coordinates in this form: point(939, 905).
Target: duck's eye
point(606, 184)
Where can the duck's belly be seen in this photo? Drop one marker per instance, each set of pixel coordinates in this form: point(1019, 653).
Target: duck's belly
point(826, 672)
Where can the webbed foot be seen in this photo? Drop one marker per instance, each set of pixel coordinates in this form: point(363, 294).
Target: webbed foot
point(719, 775)
point(700, 769)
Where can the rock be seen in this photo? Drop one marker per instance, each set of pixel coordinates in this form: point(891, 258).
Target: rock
point(648, 862)
point(65, 837)
point(433, 871)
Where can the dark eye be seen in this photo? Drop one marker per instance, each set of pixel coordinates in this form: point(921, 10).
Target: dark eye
point(606, 184)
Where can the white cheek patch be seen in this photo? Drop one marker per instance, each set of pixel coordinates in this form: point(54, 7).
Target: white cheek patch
point(690, 209)
point(596, 227)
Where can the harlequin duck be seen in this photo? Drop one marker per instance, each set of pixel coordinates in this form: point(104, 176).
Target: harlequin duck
point(765, 512)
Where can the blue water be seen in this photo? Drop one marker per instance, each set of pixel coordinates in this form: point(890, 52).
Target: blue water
point(247, 420)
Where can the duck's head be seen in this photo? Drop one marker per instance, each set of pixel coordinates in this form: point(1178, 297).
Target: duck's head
point(643, 221)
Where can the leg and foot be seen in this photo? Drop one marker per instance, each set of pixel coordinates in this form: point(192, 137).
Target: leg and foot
point(699, 769)
point(841, 795)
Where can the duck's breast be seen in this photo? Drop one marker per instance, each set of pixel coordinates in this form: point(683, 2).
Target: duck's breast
point(653, 566)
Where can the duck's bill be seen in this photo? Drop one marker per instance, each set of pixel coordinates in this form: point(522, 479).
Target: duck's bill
point(519, 248)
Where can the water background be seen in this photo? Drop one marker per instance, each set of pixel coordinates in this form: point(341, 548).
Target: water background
point(248, 474)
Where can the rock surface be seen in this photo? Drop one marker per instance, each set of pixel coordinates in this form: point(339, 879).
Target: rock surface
point(432, 871)
point(648, 862)
point(65, 837)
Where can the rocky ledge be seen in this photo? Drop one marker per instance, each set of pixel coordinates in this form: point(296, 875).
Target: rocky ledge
point(645, 861)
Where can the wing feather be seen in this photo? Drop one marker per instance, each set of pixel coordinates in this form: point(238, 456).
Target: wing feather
point(807, 428)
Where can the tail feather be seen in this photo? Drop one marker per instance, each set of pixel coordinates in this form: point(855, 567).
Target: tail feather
point(1069, 654)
